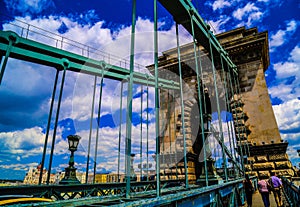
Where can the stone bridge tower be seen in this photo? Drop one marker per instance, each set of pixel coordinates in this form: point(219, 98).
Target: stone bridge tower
point(255, 124)
point(249, 50)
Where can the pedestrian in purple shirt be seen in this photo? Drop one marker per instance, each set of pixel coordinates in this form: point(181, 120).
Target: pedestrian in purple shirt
point(276, 185)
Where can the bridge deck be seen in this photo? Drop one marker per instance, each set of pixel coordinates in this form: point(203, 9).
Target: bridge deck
point(257, 200)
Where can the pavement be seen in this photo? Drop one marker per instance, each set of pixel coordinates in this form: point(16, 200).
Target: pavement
point(257, 200)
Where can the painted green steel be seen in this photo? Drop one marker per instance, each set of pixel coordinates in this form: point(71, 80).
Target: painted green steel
point(228, 77)
point(157, 132)
point(32, 51)
point(182, 109)
point(98, 127)
point(219, 112)
point(90, 132)
point(11, 45)
point(239, 132)
point(12, 40)
point(48, 127)
point(247, 150)
point(147, 134)
point(65, 64)
point(181, 11)
point(120, 130)
point(129, 105)
point(215, 195)
point(229, 153)
point(141, 135)
point(200, 102)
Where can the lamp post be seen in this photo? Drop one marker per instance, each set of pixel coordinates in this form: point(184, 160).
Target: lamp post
point(70, 171)
point(132, 173)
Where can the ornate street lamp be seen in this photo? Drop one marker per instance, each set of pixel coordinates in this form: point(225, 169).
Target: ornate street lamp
point(132, 173)
point(70, 172)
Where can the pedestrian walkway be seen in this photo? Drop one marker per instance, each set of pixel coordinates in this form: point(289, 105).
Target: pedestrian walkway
point(257, 200)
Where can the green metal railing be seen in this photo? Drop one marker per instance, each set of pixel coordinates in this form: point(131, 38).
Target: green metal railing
point(227, 192)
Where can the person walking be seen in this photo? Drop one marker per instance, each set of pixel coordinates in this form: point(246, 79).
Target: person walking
point(249, 189)
point(264, 192)
point(276, 185)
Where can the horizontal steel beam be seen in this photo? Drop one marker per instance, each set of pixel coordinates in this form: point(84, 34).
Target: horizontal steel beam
point(183, 12)
point(32, 51)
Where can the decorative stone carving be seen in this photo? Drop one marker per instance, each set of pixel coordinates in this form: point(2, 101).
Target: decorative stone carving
point(261, 158)
point(263, 166)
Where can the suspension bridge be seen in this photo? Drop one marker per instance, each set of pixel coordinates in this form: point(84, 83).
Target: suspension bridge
point(203, 145)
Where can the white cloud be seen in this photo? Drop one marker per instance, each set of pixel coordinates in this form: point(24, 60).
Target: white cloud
point(241, 12)
point(295, 54)
point(216, 25)
point(27, 142)
point(19, 166)
point(78, 89)
point(285, 71)
point(220, 4)
point(282, 36)
point(288, 115)
point(250, 14)
point(288, 112)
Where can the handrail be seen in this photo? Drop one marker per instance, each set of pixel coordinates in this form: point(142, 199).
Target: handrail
point(114, 192)
point(292, 192)
point(32, 32)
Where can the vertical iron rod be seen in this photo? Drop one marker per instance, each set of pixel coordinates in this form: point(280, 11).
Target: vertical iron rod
point(56, 122)
point(90, 134)
point(241, 149)
point(175, 150)
point(98, 126)
point(232, 122)
point(182, 109)
point(218, 108)
point(129, 103)
point(170, 131)
point(228, 106)
point(141, 137)
point(48, 127)
point(156, 103)
point(147, 131)
point(200, 102)
point(120, 129)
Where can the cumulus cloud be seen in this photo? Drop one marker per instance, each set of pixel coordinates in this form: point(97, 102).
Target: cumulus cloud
point(216, 25)
point(246, 10)
point(286, 70)
point(282, 35)
point(288, 112)
point(248, 14)
point(25, 143)
point(220, 4)
point(288, 115)
point(78, 89)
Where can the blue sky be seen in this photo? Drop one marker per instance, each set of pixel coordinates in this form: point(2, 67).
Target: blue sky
point(24, 102)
